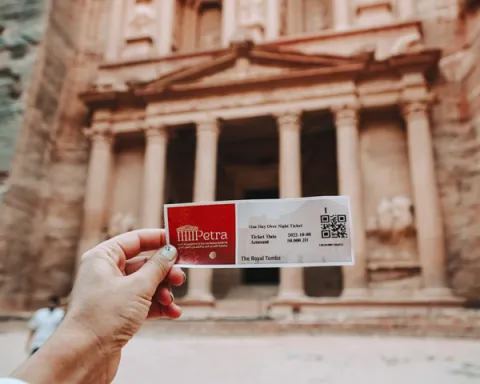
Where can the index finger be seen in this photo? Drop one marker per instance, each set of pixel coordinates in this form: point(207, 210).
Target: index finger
point(134, 242)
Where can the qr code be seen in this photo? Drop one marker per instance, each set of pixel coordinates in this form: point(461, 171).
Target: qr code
point(334, 226)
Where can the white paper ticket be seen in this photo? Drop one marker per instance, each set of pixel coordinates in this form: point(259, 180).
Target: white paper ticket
point(312, 231)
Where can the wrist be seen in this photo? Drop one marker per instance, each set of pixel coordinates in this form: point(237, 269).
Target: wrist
point(70, 355)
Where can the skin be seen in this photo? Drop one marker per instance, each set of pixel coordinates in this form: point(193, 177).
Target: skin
point(115, 292)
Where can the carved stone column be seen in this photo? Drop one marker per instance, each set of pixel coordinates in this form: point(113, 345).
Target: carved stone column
point(154, 176)
point(341, 14)
point(166, 17)
point(200, 280)
point(228, 22)
point(96, 193)
point(115, 27)
point(272, 27)
point(350, 184)
point(289, 128)
point(428, 218)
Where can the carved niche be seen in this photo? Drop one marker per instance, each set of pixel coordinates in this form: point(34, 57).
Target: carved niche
point(209, 35)
point(392, 252)
point(198, 25)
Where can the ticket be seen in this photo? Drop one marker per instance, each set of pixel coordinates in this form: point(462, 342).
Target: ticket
point(311, 231)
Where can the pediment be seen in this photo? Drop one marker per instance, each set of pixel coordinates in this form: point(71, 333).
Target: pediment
point(249, 63)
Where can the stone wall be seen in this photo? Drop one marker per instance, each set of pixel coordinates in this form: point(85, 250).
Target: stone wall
point(41, 212)
point(457, 144)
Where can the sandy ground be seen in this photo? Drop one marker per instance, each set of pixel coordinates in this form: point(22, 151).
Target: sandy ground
point(154, 356)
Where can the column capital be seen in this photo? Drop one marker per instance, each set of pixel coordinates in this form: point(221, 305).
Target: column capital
point(289, 120)
point(346, 114)
point(154, 130)
point(208, 125)
point(417, 109)
point(99, 133)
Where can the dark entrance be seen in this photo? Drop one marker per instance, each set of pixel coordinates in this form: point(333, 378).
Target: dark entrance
point(261, 276)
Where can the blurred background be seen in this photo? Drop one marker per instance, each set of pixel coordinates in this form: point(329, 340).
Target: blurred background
point(111, 108)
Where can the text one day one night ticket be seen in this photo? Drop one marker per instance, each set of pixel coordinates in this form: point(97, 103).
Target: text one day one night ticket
point(312, 231)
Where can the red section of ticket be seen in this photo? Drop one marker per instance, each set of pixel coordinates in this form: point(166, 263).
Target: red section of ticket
point(262, 233)
point(203, 234)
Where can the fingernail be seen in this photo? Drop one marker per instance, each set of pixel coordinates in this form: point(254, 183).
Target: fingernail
point(173, 297)
point(169, 252)
point(184, 277)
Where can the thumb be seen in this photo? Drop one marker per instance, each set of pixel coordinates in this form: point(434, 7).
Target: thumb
point(158, 266)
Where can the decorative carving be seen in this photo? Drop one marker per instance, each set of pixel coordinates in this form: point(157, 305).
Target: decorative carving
point(289, 121)
point(208, 125)
point(394, 219)
point(141, 21)
point(243, 69)
point(415, 110)
point(120, 223)
point(346, 115)
point(153, 132)
point(100, 132)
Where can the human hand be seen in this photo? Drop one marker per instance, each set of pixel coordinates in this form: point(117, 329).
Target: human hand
point(115, 291)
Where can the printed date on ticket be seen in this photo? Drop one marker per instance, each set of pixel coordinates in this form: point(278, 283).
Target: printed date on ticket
point(312, 231)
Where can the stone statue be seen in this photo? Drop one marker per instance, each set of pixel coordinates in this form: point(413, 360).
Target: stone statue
point(251, 12)
point(120, 223)
point(251, 19)
point(317, 15)
point(394, 218)
point(141, 21)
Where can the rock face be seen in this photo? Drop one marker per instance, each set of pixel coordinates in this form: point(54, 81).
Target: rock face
point(21, 28)
point(457, 135)
point(41, 208)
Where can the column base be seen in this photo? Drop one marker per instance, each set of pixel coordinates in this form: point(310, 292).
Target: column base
point(286, 305)
point(439, 293)
point(197, 307)
point(198, 300)
point(355, 293)
point(290, 299)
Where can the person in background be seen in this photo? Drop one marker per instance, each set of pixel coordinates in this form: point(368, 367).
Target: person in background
point(117, 288)
point(43, 324)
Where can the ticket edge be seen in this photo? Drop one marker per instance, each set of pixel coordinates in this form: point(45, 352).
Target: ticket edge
point(237, 265)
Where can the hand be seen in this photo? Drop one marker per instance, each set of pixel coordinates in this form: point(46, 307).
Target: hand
point(115, 291)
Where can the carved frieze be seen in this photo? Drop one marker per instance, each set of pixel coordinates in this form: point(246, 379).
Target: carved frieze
point(251, 98)
point(243, 69)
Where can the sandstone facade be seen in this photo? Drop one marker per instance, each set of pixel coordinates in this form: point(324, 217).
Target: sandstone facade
point(141, 78)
